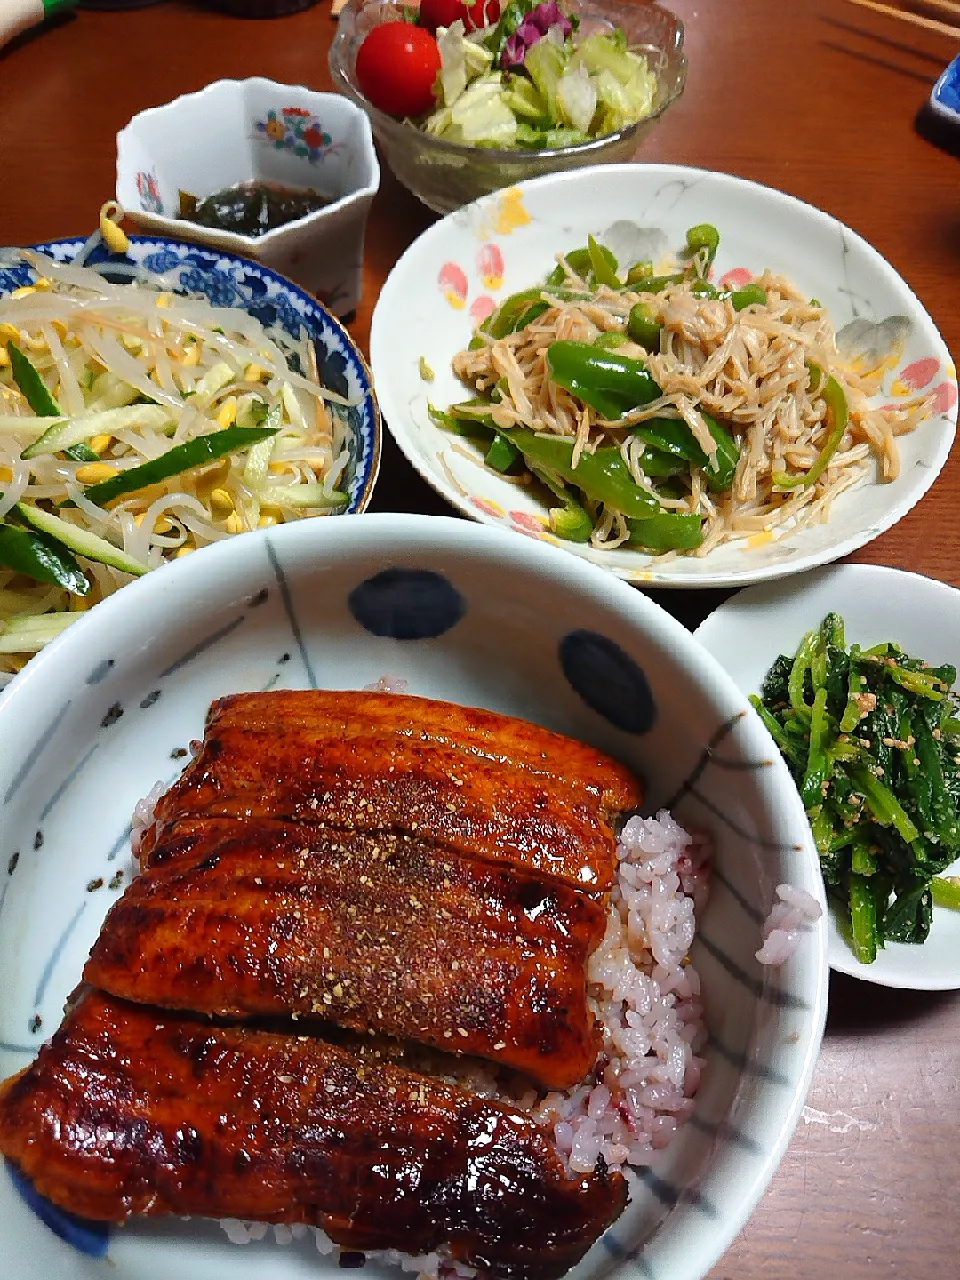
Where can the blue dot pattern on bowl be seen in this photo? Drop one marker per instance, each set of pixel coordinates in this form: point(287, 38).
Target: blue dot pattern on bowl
point(407, 604)
point(608, 680)
point(229, 281)
point(92, 1238)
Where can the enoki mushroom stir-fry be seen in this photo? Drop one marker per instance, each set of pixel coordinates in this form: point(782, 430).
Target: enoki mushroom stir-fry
point(664, 413)
point(135, 426)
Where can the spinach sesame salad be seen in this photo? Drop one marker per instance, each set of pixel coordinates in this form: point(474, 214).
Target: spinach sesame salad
point(872, 738)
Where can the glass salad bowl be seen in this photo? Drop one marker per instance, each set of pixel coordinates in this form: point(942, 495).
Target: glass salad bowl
point(446, 174)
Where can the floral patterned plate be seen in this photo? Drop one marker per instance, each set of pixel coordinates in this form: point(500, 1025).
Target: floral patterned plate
point(459, 269)
point(229, 281)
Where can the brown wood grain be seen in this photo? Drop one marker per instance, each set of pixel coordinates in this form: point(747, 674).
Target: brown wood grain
point(815, 97)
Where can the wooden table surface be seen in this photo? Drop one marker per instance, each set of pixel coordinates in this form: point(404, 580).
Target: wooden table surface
point(822, 100)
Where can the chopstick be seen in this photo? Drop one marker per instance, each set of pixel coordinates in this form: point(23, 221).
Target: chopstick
point(917, 20)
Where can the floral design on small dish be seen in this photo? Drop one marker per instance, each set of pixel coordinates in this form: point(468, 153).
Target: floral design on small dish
point(149, 192)
point(297, 130)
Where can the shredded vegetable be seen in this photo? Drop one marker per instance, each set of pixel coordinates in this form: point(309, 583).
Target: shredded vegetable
point(732, 409)
point(137, 425)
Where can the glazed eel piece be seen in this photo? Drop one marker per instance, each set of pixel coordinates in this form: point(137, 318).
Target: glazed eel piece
point(486, 785)
point(390, 863)
point(381, 932)
point(128, 1110)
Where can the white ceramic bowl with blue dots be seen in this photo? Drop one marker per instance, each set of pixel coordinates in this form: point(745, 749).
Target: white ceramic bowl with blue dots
point(463, 612)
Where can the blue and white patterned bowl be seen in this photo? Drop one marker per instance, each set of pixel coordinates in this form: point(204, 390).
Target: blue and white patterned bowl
point(463, 612)
point(231, 281)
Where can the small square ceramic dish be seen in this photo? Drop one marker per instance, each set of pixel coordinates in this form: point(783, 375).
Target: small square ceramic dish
point(256, 129)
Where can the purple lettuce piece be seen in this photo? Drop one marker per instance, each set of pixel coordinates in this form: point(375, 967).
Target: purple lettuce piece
point(544, 18)
point(514, 53)
point(547, 15)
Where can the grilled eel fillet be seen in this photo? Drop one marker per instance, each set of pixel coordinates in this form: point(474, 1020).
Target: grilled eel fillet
point(129, 1110)
point(392, 864)
point(482, 784)
point(377, 932)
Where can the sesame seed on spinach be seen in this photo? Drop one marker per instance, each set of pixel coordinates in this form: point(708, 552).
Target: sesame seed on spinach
point(872, 739)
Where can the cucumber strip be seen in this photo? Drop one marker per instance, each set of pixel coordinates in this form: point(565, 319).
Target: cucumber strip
point(70, 431)
point(19, 421)
point(182, 457)
point(35, 391)
point(42, 558)
point(30, 634)
point(80, 541)
point(300, 495)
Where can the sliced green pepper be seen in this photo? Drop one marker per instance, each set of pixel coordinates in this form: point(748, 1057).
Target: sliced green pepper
point(750, 295)
point(602, 476)
point(643, 326)
point(703, 239)
point(502, 453)
point(182, 457)
point(460, 424)
point(603, 263)
point(515, 313)
point(610, 383)
point(837, 416)
point(673, 436)
point(571, 521)
point(656, 284)
point(667, 531)
point(35, 391)
point(41, 557)
point(639, 271)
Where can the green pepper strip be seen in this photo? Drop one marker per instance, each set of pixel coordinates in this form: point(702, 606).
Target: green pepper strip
point(639, 271)
point(502, 453)
point(750, 295)
point(182, 457)
point(668, 531)
point(36, 392)
point(946, 891)
point(656, 284)
point(461, 425)
point(837, 415)
point(703, 238)
point(863, 919)
point(673, 436)
point(514, 313)
point(571, 521)
point(610, 383)
point(42, 557)
point(602, 476)
point(643, 326)
point(604, 264)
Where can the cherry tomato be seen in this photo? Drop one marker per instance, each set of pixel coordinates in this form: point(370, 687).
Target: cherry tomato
point(439, 13)
point(397, 65)
point(482, 13)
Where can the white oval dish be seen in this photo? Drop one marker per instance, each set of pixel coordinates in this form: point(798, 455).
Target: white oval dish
point(110, 707)
point(448, 276)
point(749, 631)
